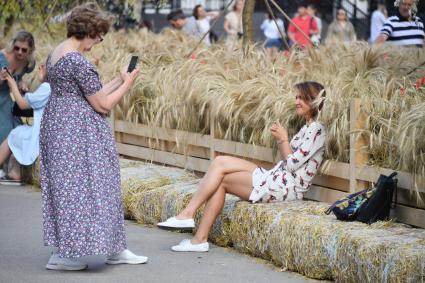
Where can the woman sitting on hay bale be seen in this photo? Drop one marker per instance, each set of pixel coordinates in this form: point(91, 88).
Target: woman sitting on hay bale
point(287, 181)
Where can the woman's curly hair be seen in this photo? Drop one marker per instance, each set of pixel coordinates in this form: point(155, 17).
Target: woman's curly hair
point(87, 20)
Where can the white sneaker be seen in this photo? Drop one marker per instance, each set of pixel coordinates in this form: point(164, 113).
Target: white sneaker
point(126, 257)
point(59, 263)
point(187, 246)
point(177, 224)
point(2, 173)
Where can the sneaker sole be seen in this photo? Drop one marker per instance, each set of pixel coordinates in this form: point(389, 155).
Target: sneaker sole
point(65, 267)
point(11, 183)
point(190, 251)
point(169, 228)
point(124, 262)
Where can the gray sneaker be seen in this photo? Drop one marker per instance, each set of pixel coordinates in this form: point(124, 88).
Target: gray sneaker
point(59, 263)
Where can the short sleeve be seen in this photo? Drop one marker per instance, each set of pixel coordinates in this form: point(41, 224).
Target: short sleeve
point(38, 98)
point(387, 28)
point(312, 141)
point(86, 76)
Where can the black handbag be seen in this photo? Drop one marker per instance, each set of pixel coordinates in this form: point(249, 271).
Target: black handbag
point(379, 205)
point(369, 205)
point(18, 112)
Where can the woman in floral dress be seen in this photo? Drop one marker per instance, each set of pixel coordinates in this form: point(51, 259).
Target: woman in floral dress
point(80, 174)
point(287, 181)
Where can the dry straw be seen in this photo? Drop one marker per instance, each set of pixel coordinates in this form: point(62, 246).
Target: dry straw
point(245, 93)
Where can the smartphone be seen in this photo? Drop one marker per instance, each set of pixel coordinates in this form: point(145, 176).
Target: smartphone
point(5, 69)
point(133, 62)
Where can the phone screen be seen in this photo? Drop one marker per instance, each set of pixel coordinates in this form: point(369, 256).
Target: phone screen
point(133, 62)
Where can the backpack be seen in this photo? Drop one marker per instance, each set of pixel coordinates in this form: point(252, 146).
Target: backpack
point(369, 205)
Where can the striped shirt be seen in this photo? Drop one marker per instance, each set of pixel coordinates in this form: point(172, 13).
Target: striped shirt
point(403, 32)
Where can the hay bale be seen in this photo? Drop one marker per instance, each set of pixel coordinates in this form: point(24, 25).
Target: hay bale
point(136, 180)
point(295, 235)
point(176, 199)
point(150, 204)
point(126, 163)
point(221, 231)
point(251, 227)
point(304, 243)
point(380, 254)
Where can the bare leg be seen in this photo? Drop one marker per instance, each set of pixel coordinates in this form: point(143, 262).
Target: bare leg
point(273, 52)
point(269, 53)
point(210, 183)
point(15, 169)
point(4, 152)
point(238, 184)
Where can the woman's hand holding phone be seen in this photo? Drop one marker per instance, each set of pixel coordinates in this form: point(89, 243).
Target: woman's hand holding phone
point(129, 77)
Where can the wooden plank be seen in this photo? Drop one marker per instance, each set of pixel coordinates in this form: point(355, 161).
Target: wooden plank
point(212, 137)
point(405, 180)
point(248, 150)
point(409, 215)
point(324, 194)
point(191, 163)
point(358, 143)
point(335, 169)
point(332, 182)
point(412, 199)
point(162, 133)
point(166, 146)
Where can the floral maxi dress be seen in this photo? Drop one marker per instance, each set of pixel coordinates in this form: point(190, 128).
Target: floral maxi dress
point(79, 168)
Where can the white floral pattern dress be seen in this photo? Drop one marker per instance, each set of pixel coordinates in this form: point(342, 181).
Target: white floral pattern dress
point(291, 178)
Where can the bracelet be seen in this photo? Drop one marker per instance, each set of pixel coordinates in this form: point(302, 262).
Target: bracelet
point(281, 141)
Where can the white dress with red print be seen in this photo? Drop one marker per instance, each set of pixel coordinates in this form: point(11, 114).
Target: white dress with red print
point(291, 178)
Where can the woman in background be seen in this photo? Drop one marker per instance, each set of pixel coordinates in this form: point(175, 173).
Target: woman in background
point(18, 60)
point(233, 24)
point(23, 141)
point(341, 29)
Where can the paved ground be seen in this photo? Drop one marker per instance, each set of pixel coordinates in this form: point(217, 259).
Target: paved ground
point(22, 256)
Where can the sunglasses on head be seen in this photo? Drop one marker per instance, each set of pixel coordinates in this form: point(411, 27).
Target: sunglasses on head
point(23, 49)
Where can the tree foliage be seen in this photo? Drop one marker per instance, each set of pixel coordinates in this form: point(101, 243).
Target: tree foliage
point(34, 12)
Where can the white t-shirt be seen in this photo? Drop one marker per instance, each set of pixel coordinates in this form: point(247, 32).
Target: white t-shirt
point(270, 29)
point(376, 23)
point(203, 27)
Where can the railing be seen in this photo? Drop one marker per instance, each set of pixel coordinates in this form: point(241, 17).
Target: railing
point(195, 151)
point(186, 5)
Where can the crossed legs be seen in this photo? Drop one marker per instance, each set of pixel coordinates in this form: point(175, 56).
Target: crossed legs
point(226, 174)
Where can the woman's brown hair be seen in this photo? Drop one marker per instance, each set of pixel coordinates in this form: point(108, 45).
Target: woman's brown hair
point(308, 92)
point(87, 20)
point(195, 12)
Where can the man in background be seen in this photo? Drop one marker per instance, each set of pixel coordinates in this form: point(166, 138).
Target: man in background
point(404, 28)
